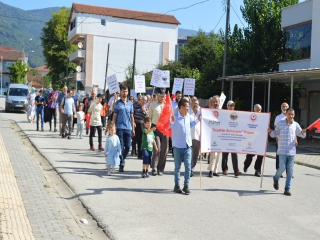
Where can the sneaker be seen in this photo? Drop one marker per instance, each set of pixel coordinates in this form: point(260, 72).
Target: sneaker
point(154, 172)
point(275, 184)
point(143, 175)
point(177, 189)
point(109, 173)
point(160, 173)
point(192, 173)
point(147, 175)
point(210, 174)
point(55, 130)
point(80, 137)
point(50, 130)
point(287, 192)
point(186, 190)
point(237, 173)
point(245, 169)
point(92, 148)
point(225, 172)
point(69, 137)
point(42, 130)
point(101, 148)
point(216, 174)
point(257, 174)
point(121, 169)
point(62, 135)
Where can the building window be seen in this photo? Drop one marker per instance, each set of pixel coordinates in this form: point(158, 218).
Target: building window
point(73, 24)
point(103, 22)
point(297, 42)
point(8, 64)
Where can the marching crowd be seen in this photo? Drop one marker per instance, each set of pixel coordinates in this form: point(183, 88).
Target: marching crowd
point(130, 123)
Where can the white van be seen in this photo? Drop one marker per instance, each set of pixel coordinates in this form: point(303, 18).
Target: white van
point(16, 98)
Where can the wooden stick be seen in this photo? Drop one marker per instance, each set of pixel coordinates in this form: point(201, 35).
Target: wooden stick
point(264, 161)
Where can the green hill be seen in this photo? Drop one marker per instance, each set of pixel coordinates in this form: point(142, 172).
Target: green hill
point(17, 27)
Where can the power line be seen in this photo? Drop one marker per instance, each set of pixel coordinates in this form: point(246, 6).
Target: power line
point(219, 20)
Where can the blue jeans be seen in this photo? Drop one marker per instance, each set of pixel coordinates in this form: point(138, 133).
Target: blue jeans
point(182, 155)
point(285, 163)
point(125, 141)
point(40, 111)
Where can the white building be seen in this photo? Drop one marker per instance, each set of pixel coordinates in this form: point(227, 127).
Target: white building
point(95, 27)
point(301, 25)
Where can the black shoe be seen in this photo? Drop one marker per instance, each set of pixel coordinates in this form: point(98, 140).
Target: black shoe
point(154, 172)
point(121, 169)
point(210, 174)
point(287, 192)
point(177, 189)
point(186, 190)
point(275, 184)
point(160, 173)
point(216, 174)
point(245, 169)
point(69, 137)
point(63, 136)
point(257, 174)
point(143, 175)
point(191, 174)
point(281, 176)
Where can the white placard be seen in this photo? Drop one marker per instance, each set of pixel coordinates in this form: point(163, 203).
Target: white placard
point(133, 93)
point(113, 85)
point(222, 99)
point(189, 86)
point(177, 85)
point(156, 77)
point(234, 131)
point(139, 84)
point(165, 79)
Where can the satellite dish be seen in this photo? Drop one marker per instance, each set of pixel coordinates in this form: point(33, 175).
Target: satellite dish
point(78, 68)
point(80, 45)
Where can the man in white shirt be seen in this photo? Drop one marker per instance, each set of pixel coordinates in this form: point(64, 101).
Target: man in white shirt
point(195, 133)
point(176, 101)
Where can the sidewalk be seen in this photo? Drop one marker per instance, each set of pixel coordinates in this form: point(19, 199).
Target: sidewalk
point(29, 205)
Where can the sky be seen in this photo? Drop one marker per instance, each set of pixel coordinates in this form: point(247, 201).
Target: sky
point(205, 14)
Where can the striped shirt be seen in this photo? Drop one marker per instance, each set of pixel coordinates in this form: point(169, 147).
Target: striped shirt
point(287, 137)
point(138, 115)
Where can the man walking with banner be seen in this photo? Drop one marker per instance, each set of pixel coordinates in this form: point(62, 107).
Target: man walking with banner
point(286, 131)
point(182, 143)
point(159, 157)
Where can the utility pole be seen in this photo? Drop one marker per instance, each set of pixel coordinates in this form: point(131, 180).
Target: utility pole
point(105, 80)
point(67, 70)
point(134, 62)
point(1, 74)
point(226, 37)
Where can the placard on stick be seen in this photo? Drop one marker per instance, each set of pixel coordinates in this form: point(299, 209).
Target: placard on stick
point(189, 86)
point(113, 85)
point(140, 84)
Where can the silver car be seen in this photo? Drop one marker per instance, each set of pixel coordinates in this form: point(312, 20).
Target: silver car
point(16, 98)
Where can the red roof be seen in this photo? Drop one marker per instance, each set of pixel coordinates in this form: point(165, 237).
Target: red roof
point(124, 13)
point(43, 69)
point(10, 54)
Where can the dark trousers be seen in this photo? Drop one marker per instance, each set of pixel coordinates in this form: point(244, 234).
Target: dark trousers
point(224, 162)
point(277, 157)
point(103, 121)
point(92, 132)
point(195, 153)
point(159, 158)
point(125, 141)
point(137, 139)
point(258, 163)
point(66, 119)
point(52, 112)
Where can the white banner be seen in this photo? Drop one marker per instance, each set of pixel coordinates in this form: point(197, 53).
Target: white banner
point(222, 99)
point(113, 85)
point(165, 79)
point(189, 86)
point(139, 84)
point(156, 77)
point(133, 93)
point(177, 85)
point(234, 131)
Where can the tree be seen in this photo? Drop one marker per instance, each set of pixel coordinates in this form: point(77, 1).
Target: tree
point(56, 47)
point(18, 72)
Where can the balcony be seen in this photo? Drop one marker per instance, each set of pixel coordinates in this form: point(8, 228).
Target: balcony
point(79, 54)
point(79, 76)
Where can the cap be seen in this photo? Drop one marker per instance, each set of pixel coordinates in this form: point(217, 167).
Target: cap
point(230, 102)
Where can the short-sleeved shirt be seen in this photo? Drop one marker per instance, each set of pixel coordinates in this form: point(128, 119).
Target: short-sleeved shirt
point(53, 103)
point(39, 99)
point(138, 115)
point(68, 105)
point(147, 140)
point(123, 111)
point(95, 110)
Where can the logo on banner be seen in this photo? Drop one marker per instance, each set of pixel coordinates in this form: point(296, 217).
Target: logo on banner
point(249, 145)
point(214, 144)
point(233, 116)
point(253, 117)
point(216, 114)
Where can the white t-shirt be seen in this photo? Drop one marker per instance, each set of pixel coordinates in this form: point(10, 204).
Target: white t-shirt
point(95, 110)
point(80, 117)
point(280, 117)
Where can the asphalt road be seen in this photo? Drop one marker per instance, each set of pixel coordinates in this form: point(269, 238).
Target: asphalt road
point(225, 207)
